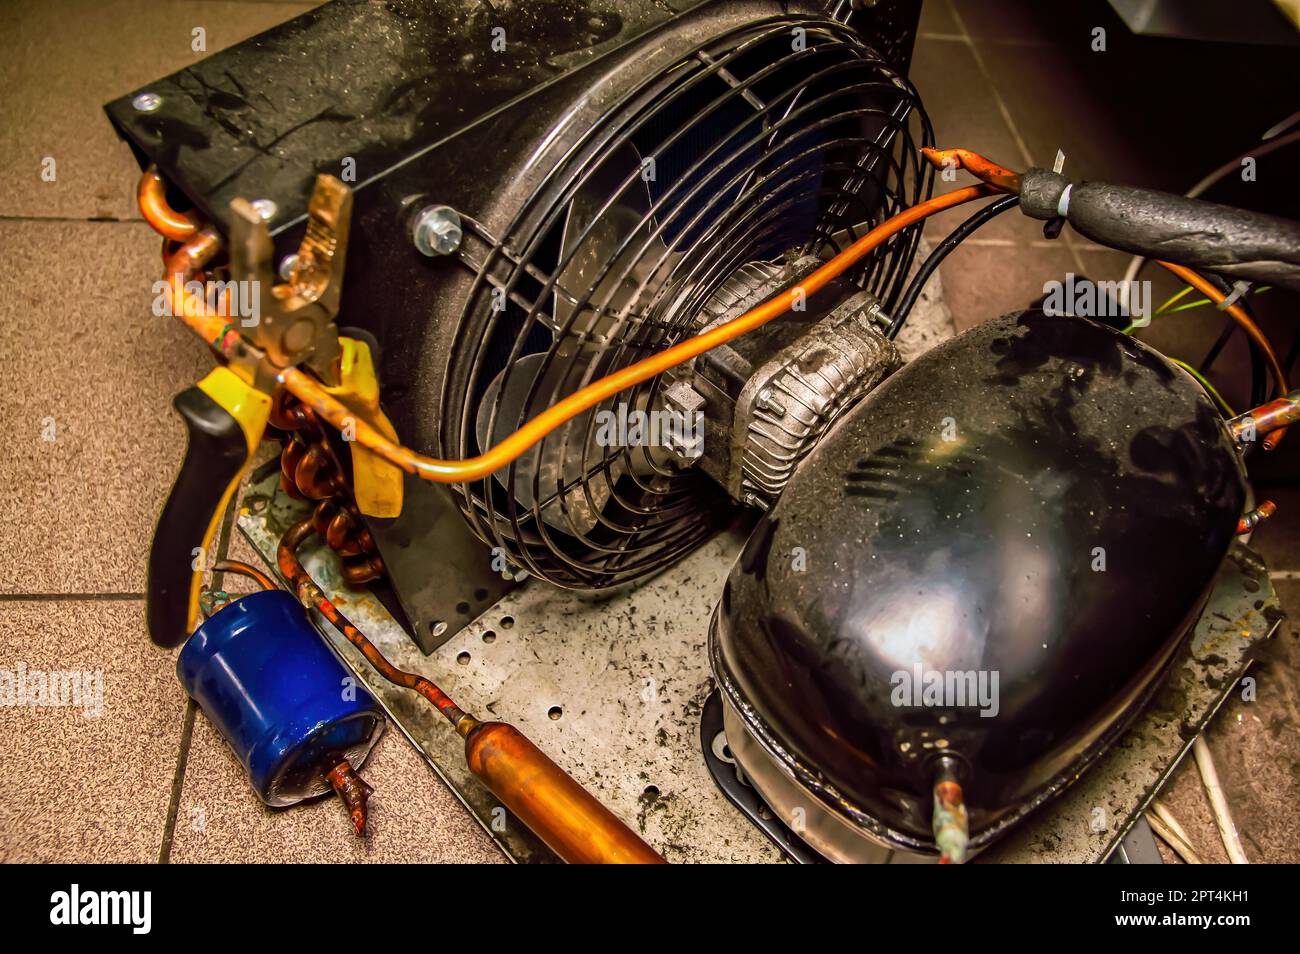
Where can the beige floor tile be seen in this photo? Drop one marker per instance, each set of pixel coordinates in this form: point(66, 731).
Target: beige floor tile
point(86, 362)
point(414, 816)
point(84, 788)
point(61, 60)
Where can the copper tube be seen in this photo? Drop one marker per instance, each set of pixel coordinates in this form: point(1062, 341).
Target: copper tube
point(1008, 180)
point(248, 570)
point(510, 448)
point(544, 797)
point(315, 474)
point(311, 595)
point(1238, 314)
point(151, 194)
point(358, 571)
point(218, 333)
point(188, 260)
point(290, 456)
point(951, 831)
point(1257, 516)
point(310, 471)
point(353, 791)
point(1266, 418)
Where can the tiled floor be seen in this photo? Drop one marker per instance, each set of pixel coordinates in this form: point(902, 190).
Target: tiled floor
point(92, 445)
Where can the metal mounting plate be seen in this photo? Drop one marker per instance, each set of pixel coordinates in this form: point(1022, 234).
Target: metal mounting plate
point(629, 675)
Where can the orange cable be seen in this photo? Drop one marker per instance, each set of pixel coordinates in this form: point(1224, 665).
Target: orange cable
point(512, 447)
point(1238, 314)
point(220, 334)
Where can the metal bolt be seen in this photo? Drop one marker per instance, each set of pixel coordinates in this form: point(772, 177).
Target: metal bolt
point(287, 265)
point(768, 402)
point(146, 102)
point(876, 314)
point(265, 208)
point(436, 230)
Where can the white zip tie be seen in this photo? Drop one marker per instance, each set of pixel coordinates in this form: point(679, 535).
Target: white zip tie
point(1239, 288)
point(1218, 801)
point(1063, 203)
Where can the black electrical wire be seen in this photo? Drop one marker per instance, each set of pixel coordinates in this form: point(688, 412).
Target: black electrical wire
point(955, 238)
point(1259, 391)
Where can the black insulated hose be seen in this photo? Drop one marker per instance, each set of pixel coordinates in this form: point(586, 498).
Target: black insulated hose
point(1233, 243)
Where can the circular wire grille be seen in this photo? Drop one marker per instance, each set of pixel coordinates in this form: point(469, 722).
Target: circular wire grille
point(786, 138)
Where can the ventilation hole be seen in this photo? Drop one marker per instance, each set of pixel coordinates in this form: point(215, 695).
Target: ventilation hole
point(555, 712)
point(507, 622)
point(480, 595)
point(489, 637)
point(463, 659)
point(651, 791)
point(462, 608)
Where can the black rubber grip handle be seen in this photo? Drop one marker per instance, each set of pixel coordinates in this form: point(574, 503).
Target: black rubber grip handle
point(215, 457)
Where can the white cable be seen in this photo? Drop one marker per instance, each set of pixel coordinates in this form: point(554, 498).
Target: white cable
point(1171, 838)
point(1219, 802)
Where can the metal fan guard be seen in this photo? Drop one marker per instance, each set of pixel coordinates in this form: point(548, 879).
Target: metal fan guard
point(787, 136)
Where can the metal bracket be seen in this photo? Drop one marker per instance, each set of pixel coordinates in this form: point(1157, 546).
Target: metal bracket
point(295, 320)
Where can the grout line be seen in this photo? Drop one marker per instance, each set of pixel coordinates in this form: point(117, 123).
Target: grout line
point(178, 783)
point(990, 40)
point(997, 97)
point(100, 220)
point(187, 726)
point(70, 597)
point(1029, 243)
point(1010, 121)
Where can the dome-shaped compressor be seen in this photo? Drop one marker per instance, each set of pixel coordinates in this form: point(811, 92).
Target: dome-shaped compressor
point(993, 558)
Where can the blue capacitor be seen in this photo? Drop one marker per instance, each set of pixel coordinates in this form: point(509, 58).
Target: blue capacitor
point(287, 706)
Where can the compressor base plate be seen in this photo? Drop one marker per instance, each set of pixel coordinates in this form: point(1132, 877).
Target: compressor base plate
point(613, 689)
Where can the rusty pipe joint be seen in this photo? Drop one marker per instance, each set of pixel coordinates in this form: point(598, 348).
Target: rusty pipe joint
point(986, 170)
point(1272, 416)
point(1255, 517)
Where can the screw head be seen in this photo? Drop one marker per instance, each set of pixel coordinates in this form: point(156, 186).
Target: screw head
point(146, 102)
point(287, 265)
point(436, 230)
point(265, 208)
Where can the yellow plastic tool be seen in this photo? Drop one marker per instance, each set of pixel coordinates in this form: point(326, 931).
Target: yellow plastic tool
point(376, 483)
point(225, 417)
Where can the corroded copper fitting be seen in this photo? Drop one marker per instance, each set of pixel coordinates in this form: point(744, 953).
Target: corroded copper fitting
point(986, 170)
point(949, 820)
point(353, 791)
point(1266, 418)
point(1257, 516)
